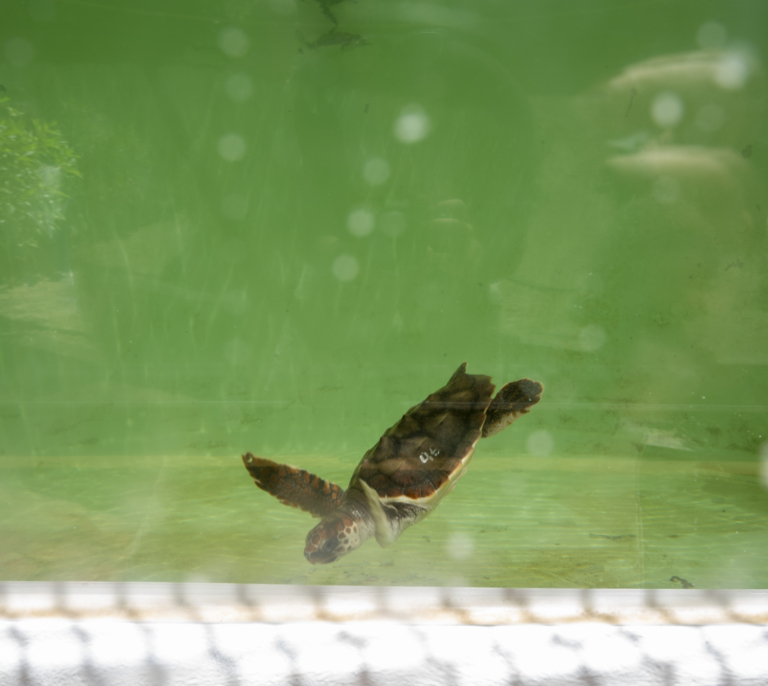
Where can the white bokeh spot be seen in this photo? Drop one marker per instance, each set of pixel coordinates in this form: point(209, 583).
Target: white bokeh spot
point(239, 87)
point(712, 36)
point(233, 42)
point(361, 222)
point(540, 443)
point(345, 267)
point(460, 546)
point(592, 338)
point(667, 109)
point(412, 125)
point(376, 171)
point(231, 147)
point(732, 71)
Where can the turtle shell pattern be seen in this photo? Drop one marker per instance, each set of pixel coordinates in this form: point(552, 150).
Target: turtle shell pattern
point(429, 448)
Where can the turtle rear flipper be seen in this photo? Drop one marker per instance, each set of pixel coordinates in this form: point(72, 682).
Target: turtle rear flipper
point(294, 487)
point(512, 401)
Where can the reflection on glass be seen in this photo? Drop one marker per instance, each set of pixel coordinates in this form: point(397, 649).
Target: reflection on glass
point(268, 227)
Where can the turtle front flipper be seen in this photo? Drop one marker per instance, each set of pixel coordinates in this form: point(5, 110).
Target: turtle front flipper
point(295, 487)
point(512, 401)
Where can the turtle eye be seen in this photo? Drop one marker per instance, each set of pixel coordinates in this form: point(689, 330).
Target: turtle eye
point(323, 544)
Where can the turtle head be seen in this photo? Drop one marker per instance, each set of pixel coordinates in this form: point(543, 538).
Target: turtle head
point(338, 534)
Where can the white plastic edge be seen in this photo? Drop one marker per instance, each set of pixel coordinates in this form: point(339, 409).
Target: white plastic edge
point(216, 603)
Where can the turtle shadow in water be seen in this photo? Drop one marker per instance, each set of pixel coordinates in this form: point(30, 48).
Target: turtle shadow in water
point(415, 464)
point(332, 38)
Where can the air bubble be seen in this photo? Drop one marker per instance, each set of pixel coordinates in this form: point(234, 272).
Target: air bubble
point(376, 171)
point(345, 267)
point(667, 109)
point(360, 222)
point(412, 125)
point(239, 87)
point(711, 35)
point(592, 338)
point(231, 147)
point(460, 546)
point(233, 42)
point(540, 443)
point(732, 72)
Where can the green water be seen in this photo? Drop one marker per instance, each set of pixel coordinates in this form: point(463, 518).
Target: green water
point(227, 227)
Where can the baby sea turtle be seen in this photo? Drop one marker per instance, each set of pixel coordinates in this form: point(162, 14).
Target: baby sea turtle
point(407, 473)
